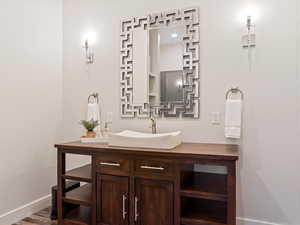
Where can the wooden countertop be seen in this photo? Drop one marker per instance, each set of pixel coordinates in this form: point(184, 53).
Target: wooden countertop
point(195, 150)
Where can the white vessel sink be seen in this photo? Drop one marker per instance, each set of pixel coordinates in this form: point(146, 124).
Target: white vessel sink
point(134, 139)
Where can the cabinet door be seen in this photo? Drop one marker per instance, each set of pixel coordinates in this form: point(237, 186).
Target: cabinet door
point(153, 202)
point(113, 197)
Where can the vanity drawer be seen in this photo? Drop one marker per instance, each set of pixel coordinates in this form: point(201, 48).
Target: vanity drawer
point(116, 165)
point(154, 168)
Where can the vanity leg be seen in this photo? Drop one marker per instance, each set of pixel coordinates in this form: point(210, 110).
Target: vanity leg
point(177, 198)
point(231, 188)
point(61, 170)
point(94, 191)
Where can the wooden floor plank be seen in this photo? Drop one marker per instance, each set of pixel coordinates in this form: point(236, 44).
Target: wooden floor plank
point(40, 218)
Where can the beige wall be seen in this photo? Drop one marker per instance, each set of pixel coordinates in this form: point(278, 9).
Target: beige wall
point(268, 188)
point(30, 97)
point(298, 57)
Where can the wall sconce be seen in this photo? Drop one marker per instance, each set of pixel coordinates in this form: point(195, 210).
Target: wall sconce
point(89, 39)
point(89, 55)
point(249, 39)
point(248, 15)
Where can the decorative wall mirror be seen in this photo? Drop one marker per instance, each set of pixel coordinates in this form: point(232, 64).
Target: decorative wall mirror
point(159, 65)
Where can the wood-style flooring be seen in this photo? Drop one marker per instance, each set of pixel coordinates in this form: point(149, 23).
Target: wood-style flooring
point(39, 218)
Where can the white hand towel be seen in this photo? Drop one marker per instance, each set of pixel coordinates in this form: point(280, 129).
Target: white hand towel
point(233, 118)
point(93, 112)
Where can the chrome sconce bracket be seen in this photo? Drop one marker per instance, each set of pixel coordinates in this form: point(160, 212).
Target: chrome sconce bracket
point(249, 39)
point(89, 55)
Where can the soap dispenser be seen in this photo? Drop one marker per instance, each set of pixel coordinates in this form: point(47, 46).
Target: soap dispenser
point(107, 125)
point(106, 130)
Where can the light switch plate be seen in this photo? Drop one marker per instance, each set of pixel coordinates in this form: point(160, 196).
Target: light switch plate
point(215, 118)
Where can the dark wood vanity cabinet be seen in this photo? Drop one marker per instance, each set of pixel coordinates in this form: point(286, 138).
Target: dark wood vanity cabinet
point(148, 186)
point(112, 200)
point(123, 181)
point(153, 202)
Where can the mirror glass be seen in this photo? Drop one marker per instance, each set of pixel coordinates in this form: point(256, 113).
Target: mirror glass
point(166, 65)
point(140, 65)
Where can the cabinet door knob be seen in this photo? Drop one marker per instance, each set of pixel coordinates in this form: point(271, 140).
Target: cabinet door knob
point(136, 209)
point(124, 207)
point(152, 168)
point(110, 164)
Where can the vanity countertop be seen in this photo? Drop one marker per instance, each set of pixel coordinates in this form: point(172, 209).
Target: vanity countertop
point(195, 150)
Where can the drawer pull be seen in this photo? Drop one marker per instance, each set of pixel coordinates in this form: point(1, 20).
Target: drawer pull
point(136, 209)
point(152, 168)
point(110, 164)
point(124, 207)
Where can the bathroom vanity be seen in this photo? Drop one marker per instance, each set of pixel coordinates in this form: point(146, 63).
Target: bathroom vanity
point(138, 186)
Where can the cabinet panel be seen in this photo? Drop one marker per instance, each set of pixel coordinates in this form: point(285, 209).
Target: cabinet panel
point(153, 202)
point(154, 168)
point(113, 197)
point(113, 164)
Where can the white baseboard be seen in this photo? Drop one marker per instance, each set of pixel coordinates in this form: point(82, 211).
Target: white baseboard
point(19, 213)
point(247, 221)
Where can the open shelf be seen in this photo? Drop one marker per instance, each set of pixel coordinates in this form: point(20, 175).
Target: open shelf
point(204, 185)
point(152, 95)
point(152, 75)
point(80, 215)
point(202, 212)
point(81, 195)
point(83, 174)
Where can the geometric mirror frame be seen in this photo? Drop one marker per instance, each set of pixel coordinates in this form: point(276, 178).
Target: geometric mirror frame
point(189, 107)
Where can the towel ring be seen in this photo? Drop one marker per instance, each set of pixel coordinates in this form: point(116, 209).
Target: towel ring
point(95, 96)
point(235, 90)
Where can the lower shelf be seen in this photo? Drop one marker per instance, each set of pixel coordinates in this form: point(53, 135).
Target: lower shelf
point(80, 215)
point(203, 212)
point(204, 185)
point(189, 221)
point(80, 174)
point(81, 195)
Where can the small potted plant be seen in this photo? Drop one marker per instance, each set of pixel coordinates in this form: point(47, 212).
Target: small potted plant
point(90, 126)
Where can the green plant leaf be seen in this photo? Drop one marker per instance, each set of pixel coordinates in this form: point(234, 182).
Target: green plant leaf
point(89, 125)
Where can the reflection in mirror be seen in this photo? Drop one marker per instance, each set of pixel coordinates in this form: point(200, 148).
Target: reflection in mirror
point(171, 86)
point(166, 65)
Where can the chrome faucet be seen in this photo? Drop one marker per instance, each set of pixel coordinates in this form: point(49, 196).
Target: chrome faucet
point(153, 123)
